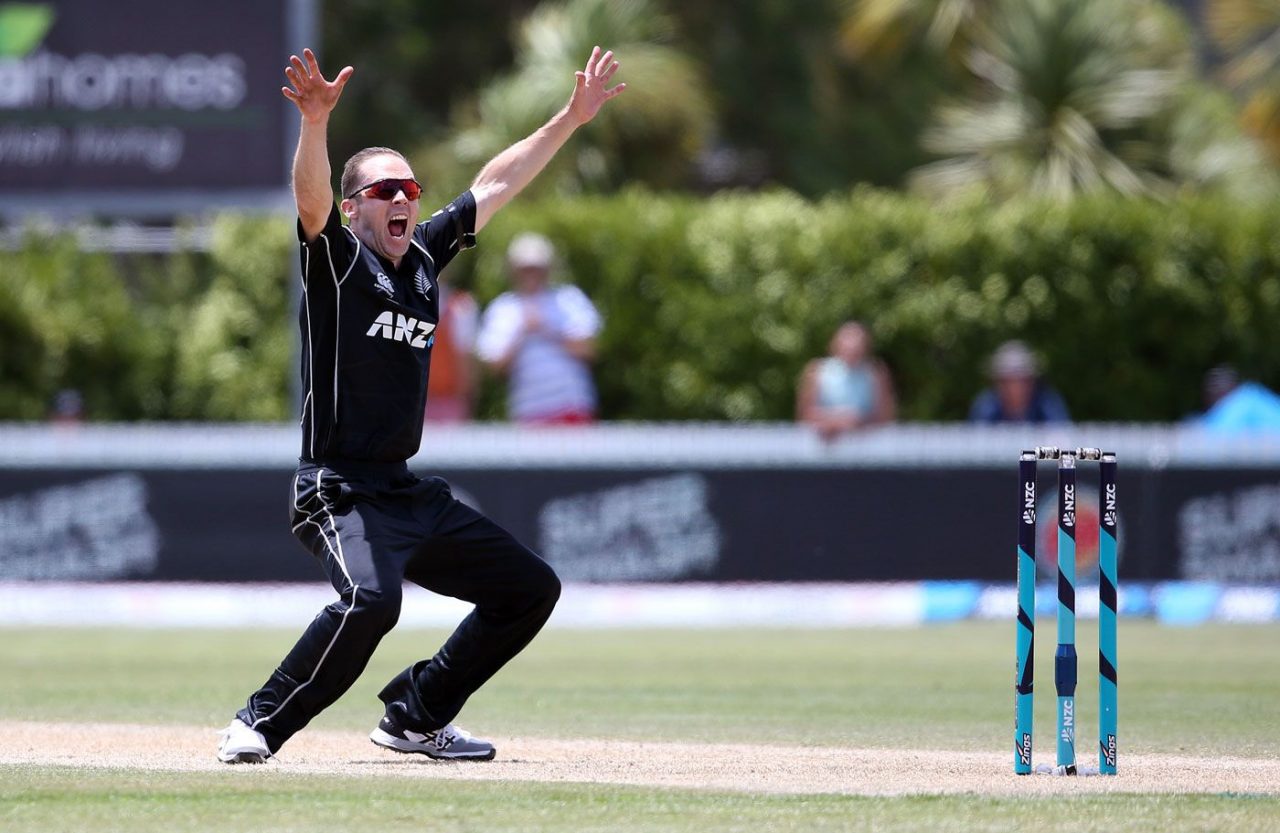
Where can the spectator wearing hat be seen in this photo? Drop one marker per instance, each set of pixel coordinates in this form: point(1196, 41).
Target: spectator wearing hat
point(1017, 393)
point(542, 337)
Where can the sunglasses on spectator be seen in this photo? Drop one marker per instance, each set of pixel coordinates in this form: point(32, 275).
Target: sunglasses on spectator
point(386, 189)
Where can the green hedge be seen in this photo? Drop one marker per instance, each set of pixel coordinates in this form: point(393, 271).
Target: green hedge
point(201, 336)
point(712, 306)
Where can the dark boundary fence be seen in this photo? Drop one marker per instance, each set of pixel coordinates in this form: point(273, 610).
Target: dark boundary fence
point(641, 523)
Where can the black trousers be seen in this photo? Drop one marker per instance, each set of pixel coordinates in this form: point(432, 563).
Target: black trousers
point(372, 526)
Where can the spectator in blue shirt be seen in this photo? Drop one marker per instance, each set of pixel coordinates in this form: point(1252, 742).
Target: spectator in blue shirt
point(1235, 405)
point(848, 389)
point(1017, 393)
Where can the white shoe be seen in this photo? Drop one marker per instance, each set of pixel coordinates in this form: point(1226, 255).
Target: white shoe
point(241, 744)
point(449, 743)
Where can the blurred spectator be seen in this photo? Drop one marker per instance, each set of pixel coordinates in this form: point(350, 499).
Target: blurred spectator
point(451, 387)
point(1017, 394)
point(1232, 405)
point(1219, 382)
point(67, 407)
point(543, 338)
point(848, 389)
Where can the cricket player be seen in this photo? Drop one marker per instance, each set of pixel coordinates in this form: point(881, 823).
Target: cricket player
point(370, 307)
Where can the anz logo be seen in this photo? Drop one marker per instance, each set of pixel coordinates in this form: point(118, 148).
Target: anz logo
point(396, 327)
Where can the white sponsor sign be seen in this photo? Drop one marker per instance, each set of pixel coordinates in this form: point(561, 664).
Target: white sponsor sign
point(92, 530)
point(1232, 536)
point(653, 530)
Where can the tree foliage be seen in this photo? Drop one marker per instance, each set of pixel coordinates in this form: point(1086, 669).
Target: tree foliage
point(652, 134)
point(414, 63)
point(1249, 30)
point(884, 29)
point(1075, 96)
point(711, 307)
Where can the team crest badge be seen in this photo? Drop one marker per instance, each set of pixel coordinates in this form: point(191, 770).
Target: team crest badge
point(422, 283)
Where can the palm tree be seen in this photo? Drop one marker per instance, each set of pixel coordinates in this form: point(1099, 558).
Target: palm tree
point(654, 133)
point(1249, 30)
point(1067, 91)
point(884, 28)
point(1207, 148)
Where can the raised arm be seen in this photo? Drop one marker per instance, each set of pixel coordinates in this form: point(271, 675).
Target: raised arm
point(510, 171)
point(315, 98)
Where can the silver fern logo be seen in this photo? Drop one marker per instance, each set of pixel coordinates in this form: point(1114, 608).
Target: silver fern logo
point(1109, 505)
point(423, 283)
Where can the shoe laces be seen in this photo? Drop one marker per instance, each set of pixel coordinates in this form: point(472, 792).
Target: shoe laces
point(449, 734)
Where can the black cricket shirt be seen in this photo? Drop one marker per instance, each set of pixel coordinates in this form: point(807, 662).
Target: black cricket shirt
point(367, 332)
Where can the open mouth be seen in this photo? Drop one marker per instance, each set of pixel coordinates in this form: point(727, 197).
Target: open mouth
point(398, 226)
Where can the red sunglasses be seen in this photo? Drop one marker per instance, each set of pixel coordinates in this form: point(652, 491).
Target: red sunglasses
point(386, 189)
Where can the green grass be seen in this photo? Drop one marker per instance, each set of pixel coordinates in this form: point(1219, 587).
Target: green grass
point(1209, 690)
point(50, 799)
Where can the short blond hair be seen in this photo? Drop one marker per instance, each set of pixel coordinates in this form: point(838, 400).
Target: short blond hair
point(351, 170)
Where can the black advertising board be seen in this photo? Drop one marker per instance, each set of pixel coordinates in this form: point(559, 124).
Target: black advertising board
point(646, 525)
point(145, 106)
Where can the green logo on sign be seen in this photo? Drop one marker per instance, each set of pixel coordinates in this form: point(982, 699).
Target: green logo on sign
point(22, 27)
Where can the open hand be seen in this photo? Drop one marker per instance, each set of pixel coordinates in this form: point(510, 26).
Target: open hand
point(312, 94)
point(592, 90)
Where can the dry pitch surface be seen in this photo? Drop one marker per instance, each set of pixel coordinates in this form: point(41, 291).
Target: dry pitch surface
point(723, 766)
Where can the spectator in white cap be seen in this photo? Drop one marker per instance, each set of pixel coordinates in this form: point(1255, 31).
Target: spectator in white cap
point(1017, 393)
point(543, 338)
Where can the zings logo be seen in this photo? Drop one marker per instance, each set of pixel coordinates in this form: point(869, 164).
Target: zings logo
point(1109, 751)
point(1069, 506)
point(1024, 749)
point(396, 327)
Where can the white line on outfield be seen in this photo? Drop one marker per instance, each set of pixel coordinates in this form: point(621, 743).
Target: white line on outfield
point(162, 605)
point(692, 605)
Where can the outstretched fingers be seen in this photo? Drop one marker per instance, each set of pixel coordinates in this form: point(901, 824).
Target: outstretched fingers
point(602, 65)
point(313, 66)
point(343, 77)
point(300, 73)
point(591, 85)
point(311, 92)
